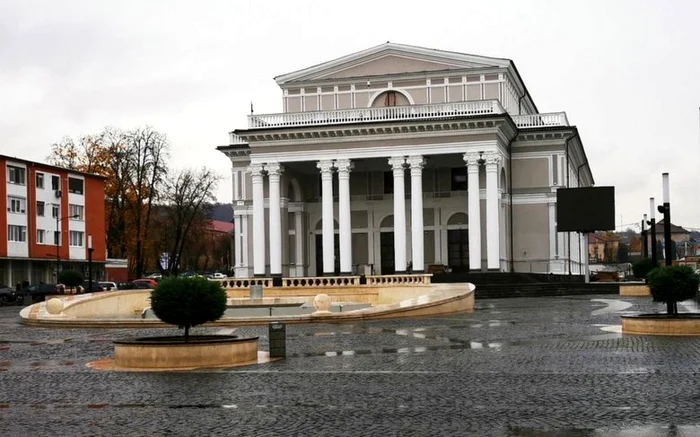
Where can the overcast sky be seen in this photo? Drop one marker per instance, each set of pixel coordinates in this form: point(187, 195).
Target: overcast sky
point(627, 73)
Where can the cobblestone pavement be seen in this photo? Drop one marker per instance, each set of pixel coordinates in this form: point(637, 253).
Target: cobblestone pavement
point(547, 367)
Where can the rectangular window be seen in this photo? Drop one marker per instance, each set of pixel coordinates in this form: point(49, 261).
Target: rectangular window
point(55, 183)
point(76, 238)
point(40, 209)
point(76, 210)
point(54, 210)
point(75, 186)
point(15, 175)
point(458, 179)
point(40, 180)
point(16, 204)
point(40, 236)
point(16, 233)
point(56, 238)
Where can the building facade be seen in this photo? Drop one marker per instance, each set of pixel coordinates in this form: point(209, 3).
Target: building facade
point(49, 217)
point(400, 158)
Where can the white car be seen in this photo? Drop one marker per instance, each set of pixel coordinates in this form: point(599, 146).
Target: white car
point(218, 275)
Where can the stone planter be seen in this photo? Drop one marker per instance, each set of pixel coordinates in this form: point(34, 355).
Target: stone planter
point(173, 353)
point(635, 290)
point(685, 324)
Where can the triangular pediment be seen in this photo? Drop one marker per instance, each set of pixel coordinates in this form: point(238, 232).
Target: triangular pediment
point(389, 59)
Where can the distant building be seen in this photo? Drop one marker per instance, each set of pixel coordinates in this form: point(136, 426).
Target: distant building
point(602, 248)
point(48, 216)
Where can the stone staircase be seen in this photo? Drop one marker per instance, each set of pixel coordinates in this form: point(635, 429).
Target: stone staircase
point(501, 285)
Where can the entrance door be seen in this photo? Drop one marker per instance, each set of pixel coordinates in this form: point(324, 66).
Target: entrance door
point(458, 250)
point(319, 254)
point(386, 252)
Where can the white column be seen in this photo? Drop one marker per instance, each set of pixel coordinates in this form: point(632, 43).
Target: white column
point(397, 165)
point(274, 171)
point(299, 245)
point(326, 168)
point(258, 220)
point(493, 231)
point(235, 178)
point(245, 247)
point(344, 166)
point(474, 209)
point(237, 247)
point(417, 250)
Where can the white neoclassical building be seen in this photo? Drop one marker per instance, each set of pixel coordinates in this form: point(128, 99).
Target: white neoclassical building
point(402, 158)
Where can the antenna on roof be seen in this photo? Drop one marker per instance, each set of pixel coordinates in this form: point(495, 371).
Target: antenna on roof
point(251, 107)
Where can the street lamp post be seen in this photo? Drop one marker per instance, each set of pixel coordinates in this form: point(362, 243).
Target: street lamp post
point(90, 249)
point(665, 209)
point(645, 243)
point(652, 228)
point(58, 240)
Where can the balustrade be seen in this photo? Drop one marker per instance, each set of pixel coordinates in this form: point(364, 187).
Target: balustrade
point(407, 279)
point(321, 281)
point(392, 113)
point(244, 282)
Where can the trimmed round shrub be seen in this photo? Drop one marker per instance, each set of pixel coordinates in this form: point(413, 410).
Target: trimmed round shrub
point(188, 301)
point(642, 267)
point(70, 278)
point(672, 284)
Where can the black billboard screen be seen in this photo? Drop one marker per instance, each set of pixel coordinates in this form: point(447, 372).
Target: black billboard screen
point(586, 209)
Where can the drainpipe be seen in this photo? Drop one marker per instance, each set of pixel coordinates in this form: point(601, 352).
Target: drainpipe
point(510, 188)
point(568, 186)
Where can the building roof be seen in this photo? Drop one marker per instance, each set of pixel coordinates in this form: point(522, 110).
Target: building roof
point(50, 166)
point(220, 226)
point(602, 238)
point(674, 229)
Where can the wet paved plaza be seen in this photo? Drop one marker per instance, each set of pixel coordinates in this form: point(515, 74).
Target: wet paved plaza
point(549, 367)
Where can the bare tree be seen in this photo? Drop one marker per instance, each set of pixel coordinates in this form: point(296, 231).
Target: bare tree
point(147, 154)
point(188, 194)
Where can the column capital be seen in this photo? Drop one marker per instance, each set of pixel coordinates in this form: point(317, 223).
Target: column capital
point(325, 166)
point(344, 166)
point(492, 160)
point(472, 159)
point(397, 163)
point(255, 170)
point(415, 162)
point(274, 168)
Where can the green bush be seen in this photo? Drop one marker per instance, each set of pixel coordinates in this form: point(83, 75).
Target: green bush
point(673, 284)
point(188, 301)
point(642, 267)
point(70, 278)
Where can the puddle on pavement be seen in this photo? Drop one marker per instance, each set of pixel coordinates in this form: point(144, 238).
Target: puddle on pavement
point(640, 431)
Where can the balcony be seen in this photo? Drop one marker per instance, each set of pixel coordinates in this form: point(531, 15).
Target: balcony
point(400, 113)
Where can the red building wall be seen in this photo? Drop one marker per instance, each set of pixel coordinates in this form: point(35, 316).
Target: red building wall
point(3, 208)
point(95, 224)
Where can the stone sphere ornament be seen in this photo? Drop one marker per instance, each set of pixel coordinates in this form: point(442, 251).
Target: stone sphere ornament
point(54, 306)
point(322, 303)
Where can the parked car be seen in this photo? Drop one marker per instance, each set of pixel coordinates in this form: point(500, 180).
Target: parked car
point(218, 275)
point(154, 276)
point(38, 292)
point(144, 283)
point(95, 287)
point(9, 296)
point(108, 286)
